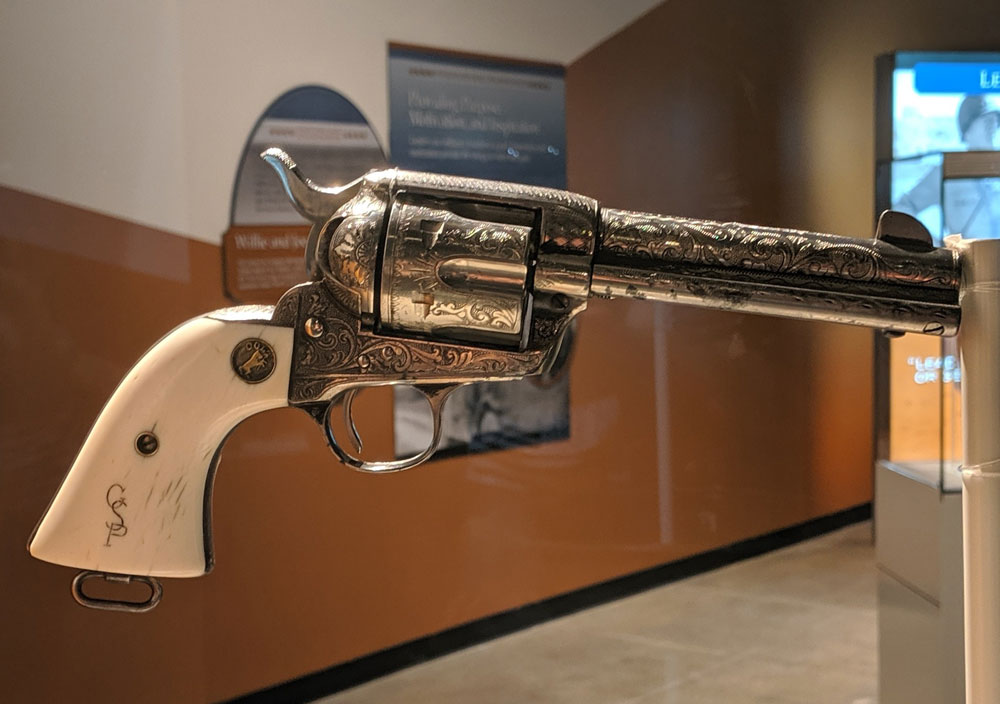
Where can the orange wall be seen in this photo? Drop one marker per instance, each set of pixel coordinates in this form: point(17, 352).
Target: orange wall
point(688, 111)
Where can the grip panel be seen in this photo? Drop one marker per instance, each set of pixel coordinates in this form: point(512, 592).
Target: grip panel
point(122, 511)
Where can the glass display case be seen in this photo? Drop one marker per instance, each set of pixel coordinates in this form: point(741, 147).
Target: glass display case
point(937, 127)
point(936, 136)
point(925, 377)
point(925, 423)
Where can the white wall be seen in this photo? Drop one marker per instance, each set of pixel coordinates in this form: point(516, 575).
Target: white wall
point(140, 109)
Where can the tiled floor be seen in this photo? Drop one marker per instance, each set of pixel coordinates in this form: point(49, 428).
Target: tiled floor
point(797, 625)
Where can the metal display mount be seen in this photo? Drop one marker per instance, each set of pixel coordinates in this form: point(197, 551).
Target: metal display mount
point(979, 340)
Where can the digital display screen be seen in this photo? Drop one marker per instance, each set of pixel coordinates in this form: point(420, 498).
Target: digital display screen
point(941, 102)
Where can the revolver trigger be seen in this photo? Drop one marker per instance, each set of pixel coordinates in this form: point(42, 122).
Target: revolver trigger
point(349, 420)
point(436, 395)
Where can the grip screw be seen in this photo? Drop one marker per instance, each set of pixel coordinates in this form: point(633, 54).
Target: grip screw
point(314, 327)
point(146, 444)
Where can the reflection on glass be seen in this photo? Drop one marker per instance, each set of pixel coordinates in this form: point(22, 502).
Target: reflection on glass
point(945, 171)
point(972, 206)
point(925, 409)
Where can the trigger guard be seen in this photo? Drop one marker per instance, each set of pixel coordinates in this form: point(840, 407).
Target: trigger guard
point(435, 395)
point(316, 411)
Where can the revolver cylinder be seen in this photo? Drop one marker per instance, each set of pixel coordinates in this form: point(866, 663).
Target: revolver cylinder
point(457, 259)
point(455, 276)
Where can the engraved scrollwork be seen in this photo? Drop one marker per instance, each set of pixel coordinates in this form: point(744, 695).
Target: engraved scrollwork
point(418, 357)
point(544, 328)
point(425, 241)
point(382, 357)
point(491, 240)
point(628, 235)
point(286, 310)
point(347, 250)
point(352, 251)
point(343, 353)
point(337, 344)
point(497, 189)
point(501, 318)
point(334, 349)
point(499, 241)
point(569, 220)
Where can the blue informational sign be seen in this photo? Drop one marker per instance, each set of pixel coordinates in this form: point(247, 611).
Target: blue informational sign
point(264, 247)
point(954, 77)
point(327, 136)
point(477, 117)
point(494, 119)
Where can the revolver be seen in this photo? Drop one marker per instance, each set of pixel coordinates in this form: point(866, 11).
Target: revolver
point(432, 281)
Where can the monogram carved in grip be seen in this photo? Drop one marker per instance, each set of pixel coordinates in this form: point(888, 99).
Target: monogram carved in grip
point(115, 499)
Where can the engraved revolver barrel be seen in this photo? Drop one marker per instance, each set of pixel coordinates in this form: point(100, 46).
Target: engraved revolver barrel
point(488, 262)
point(897, 284)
